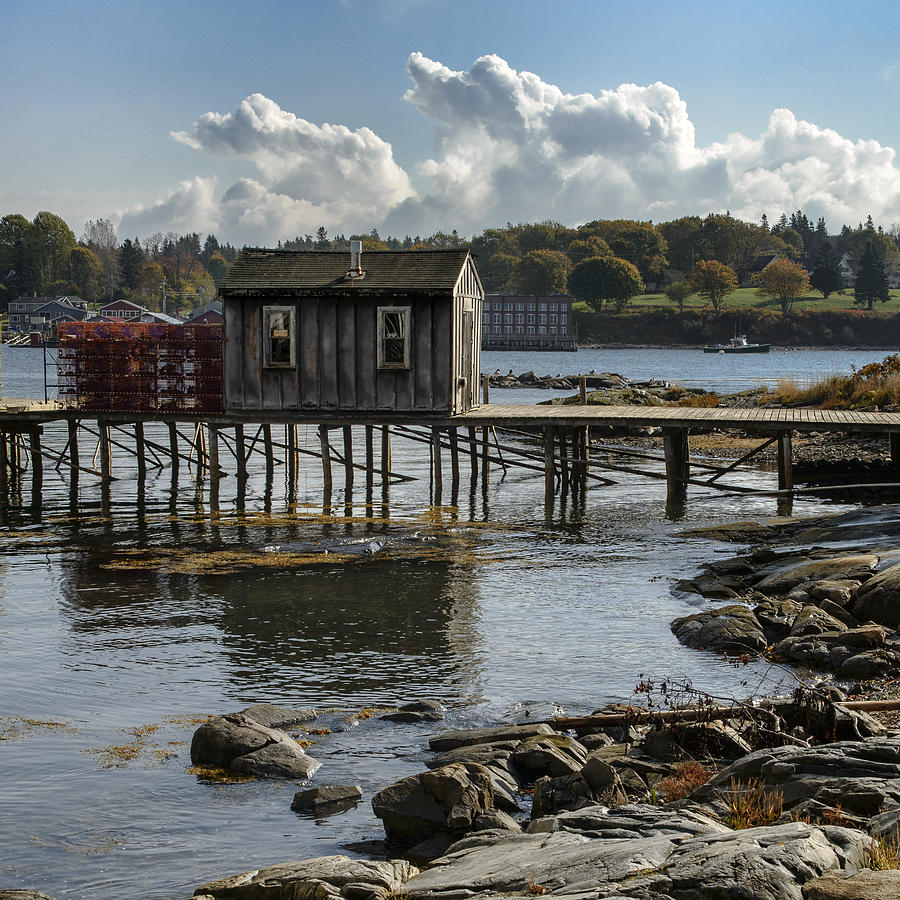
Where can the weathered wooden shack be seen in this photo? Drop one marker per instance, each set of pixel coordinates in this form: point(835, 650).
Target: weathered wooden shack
point(374, 333)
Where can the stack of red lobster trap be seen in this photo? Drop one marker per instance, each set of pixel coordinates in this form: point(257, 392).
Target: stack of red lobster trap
point(146, 368)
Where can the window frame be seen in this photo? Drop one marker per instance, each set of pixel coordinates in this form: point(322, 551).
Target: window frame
point(405, 313)
point(268, 312)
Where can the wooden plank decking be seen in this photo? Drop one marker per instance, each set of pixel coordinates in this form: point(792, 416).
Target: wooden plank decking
point(764, 420)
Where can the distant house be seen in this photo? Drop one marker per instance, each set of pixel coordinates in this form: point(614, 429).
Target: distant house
point(21, 308)
point(121, 311)
point(760, 261)
point(208, 314)
point(849, 265)
point(45, 318)
point(149, 317)
point(511, 322)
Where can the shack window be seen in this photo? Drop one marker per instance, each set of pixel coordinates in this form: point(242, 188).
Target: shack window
point(278, 336)
point(393, 337)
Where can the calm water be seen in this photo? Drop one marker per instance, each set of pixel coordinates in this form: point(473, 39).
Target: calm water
point(117, 630)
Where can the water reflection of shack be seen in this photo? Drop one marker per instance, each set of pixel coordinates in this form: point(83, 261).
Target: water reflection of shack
point(395, 332)
point(376, 629)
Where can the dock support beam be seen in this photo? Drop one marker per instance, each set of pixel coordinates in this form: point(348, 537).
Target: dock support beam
point(74, 461)
point(214, 466)
point(37, 466)
point(326, 461)
point(678, 469)
point(173, 447)
point(385, 459)
point(785, 462)
point(139, 449)
point(894, 439)
point(549, 465)
point(436, 464)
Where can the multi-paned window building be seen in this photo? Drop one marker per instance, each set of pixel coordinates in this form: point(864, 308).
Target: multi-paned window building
point(512, 322)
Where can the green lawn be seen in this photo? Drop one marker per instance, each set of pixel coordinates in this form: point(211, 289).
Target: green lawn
point(746, 298)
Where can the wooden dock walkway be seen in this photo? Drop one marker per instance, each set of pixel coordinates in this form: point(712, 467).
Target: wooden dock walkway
point(562, 446)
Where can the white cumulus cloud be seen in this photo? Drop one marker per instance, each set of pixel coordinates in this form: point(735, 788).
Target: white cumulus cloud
point(512, 147)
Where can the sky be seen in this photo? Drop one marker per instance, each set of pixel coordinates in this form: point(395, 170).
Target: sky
point(259, 122)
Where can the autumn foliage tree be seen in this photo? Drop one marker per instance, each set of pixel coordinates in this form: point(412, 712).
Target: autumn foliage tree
point(713, 281)
point(541, 273)
point(784, 280)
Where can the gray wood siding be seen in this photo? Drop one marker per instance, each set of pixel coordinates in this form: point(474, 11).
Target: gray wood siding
point(336, 352)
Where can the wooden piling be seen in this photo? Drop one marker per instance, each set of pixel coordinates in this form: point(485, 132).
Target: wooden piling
point(454, 460)
point(214, 471)
point(348, 457)
point(4, 466)
point(549, 465)
point(894, 442)
point(563, 462)
point(436, 463)
point(785, 462)
point(370, 455)
point(240, 453)
point(582, 390)
point(37, 465)
point(326, 459)
point(473, 451)
point(269, 452)
point(677, 455)
point(385, 458)
point(72, 426)
point(140, 450)
point(173, 446)
point(105, 452)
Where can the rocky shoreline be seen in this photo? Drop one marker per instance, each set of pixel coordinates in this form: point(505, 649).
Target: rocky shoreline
point(791, 798)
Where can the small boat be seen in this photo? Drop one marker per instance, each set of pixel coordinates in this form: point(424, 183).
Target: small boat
point(738, 344)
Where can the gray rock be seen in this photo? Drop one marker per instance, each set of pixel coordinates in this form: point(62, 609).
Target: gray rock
point(780, 578)
point(446, 800)
point(776, 615)
point(878, 600)
point(450, 740)
point(839, 592)
point(272, 716)
point(728, 629)
point(597, 782)
point(494, 753)
point(417, 711)
point(838, 612)
point(755, 864)
point(553, 755)
point(327, 798)
point(865, 884)
point(696, 739)
point(284, 759)
point(862, 778)
point(17, 894)
point(812, 620)
point(236, 741)
point(636, 820)
point(320, 878)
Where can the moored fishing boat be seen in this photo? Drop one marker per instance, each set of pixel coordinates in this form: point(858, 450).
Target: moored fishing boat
point(737, 344)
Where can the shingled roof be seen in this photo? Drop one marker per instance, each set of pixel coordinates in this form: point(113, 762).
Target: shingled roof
point(279, 272)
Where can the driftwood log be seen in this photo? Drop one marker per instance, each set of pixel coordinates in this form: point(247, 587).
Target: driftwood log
point(635, 715)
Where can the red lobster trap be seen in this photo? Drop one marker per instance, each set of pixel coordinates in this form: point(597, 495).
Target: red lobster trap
point(134, 367)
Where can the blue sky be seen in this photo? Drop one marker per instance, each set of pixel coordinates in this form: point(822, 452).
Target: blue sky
point(94, 92)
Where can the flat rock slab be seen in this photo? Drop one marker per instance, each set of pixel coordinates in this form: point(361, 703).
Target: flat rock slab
point(16, 894)
point(322, 877)
point(862, 885)
point(784, 579)
point(450, 740)
point(273, 716)
point(755, 864)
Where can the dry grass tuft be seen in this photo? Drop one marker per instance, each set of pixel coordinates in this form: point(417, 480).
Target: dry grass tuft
point(877, 384)
point(699, 401)
point(750, 805)
point(883, 853)
point(533, 889)
point(688, 776)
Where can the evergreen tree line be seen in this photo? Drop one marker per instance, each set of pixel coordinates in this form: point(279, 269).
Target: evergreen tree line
point(602, 261)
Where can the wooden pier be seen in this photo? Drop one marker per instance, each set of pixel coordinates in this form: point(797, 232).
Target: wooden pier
point(569, 445)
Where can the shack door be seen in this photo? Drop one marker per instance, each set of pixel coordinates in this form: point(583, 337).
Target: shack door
point(467, 387)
